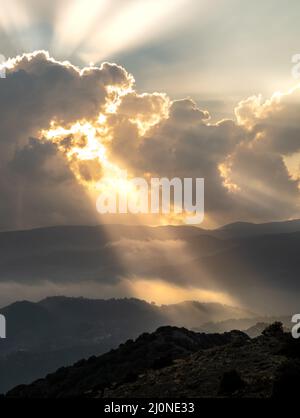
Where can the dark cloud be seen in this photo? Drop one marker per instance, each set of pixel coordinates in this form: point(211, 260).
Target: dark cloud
point(37, 185)
point(38, 188)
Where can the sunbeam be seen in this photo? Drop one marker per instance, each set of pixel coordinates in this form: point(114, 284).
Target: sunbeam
point(106, 28)
point(132, 25)
point(75, 22)
point(14, 20)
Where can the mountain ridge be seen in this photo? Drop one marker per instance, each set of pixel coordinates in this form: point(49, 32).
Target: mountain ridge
point(57, 331)
point(124, 364)
point(178, 363)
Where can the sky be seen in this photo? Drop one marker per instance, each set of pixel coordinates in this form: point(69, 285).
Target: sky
point(153, 88)
point(218, 51)
point(181, 88)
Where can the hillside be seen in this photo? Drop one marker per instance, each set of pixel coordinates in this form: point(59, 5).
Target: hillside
point(255, 265)
point(57, 331)
point(149, 351)
point(263, 367)
point(233, 260)
point(176, 362)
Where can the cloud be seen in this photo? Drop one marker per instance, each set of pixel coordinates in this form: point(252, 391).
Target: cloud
point(38, 188)
point(39, 89)
point(37, 184)
point(258, 166)
point(273, 123)
point(243, 161)
point(64, 128)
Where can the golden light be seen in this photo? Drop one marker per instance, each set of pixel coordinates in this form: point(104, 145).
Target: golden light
point(225, 170)
point(167, 293)
point(74, 22)
point(128, 25)
point(84, 146)
point(92, 31)
point(292, 163)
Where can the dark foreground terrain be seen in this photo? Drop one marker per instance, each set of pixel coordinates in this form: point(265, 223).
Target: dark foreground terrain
point(175, 362)
point(56, 332)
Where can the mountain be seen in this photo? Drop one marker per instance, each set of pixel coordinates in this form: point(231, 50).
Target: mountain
point(62, 322)
point(72, 253)
point(259, 272)
point(173, 362)
point(125, 364)
point(251, 326)
point(247, 229)
point(265, 367)
point(193, 314)
point(242, 260)
point(57, 331)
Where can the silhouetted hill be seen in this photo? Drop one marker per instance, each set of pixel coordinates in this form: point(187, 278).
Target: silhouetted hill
point(251, 326)
point(61, 322)
point(258, 271)
point(243, 368)
point(150, 351)
point(175, 362)
point(58, 330)
point(248, 229)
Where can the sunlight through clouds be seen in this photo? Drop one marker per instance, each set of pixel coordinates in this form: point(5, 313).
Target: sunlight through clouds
point(13, 15)
point(104, 28)
point(133, 25)
point(167, 293)
point(93, 30)
point(75, 127)
point(14, 19)
point(75, 21)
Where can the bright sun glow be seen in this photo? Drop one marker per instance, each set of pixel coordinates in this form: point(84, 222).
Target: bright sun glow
point(83, 144)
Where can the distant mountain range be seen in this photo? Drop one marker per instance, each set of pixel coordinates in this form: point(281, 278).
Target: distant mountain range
point(258, 265)
point(243, 260)
point(247, 229)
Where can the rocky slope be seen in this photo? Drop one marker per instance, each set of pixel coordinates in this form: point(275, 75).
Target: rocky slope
point(265, 367)
point(175, 362)
point(58, 331)
point(149, 352)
